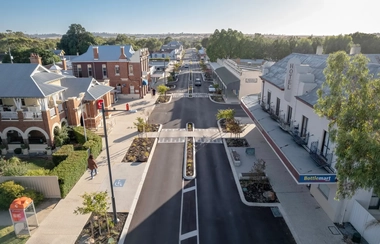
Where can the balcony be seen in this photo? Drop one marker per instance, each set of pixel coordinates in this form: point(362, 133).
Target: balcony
point(285, 126)
point(320, 159)
point(286, 144)
point(32, 115)
point(7, 115)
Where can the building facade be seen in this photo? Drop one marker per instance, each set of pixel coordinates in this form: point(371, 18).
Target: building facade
point(119, 66)
point(35, 101)
point(284, 114)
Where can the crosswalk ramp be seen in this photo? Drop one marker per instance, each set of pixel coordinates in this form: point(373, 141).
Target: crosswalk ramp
point(171, 140)
point(178, 94)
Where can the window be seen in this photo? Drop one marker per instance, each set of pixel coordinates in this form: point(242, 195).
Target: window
point(130, 69)
point(325, 190)
point(374, 203)
point(289, 118)
point(325, 144)
point(79, 70)
point(89, 70)
point(104, 70)
point(269, 94)
point(1, 101)
point(305, 120)
point(278, 106)
point(163, 55)
point(117, 70)
point(22, 101)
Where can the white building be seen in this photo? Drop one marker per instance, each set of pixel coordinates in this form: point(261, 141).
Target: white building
point(238, 78)
point(289, 93)
point(172, 50)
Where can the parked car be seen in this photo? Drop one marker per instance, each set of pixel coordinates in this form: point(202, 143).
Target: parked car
point(198, 82)
point(211, 88)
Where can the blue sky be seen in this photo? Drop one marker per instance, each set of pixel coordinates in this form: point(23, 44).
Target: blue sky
point(289, 17)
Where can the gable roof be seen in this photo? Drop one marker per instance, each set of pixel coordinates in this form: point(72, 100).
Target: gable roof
point(317, 63)
point(106, 53)
point(92, 89)
point(27, 81)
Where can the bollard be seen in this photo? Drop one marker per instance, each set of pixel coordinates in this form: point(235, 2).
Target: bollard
point(127, 106)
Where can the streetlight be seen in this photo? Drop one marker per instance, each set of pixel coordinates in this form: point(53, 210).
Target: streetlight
point(81, 95)
point(9, 47)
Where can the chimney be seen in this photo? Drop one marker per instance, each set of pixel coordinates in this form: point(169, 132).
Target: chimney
point(96, 52)
point(122, 53)
point(64, 64)
point(355, 49)
point(319, 50)
point(35, 59)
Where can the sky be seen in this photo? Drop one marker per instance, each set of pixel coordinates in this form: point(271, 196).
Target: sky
point(287, 17)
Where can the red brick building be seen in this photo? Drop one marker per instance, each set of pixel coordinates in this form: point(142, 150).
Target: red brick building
point(34, 101)
point(119, 66)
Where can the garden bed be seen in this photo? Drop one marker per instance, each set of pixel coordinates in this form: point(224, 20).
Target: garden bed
point(190, 126)
point(218, 99)
point(190, 157)
point(259, 191)
point(139, 150)
point(151, 128)
point(237, 142)
point(103, 237)
point(162, 99)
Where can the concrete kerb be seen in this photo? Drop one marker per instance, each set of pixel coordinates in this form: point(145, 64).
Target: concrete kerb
point(185, 163)
point(137, 195)
point(209, 96)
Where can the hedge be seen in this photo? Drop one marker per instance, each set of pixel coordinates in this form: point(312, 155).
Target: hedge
point(62, 153)
point(9, 191)
point(94, 141)
point(70, 170)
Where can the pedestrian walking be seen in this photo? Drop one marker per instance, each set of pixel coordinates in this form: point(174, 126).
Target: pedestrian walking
point(91, 164)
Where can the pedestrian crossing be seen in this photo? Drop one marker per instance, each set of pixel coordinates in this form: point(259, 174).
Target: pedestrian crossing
point(183, 129)
point(182, 140)
point(178, 94)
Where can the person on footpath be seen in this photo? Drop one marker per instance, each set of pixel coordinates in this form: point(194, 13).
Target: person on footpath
point(91, 164)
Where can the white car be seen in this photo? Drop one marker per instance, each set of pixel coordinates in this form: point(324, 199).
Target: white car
point(211, 89)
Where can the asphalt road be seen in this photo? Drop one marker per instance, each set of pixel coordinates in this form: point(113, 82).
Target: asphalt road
point(223, 218)
point(157, 214)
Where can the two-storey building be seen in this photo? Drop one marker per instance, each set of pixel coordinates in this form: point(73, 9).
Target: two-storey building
point(284, 114)
point(35, 101)
point(173, 50)
point(119, 66)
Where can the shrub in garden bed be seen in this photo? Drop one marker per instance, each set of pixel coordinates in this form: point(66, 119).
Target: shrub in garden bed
point(190, 157)
point(94, 141)
point(139, 150)
point(9, 191)
point(163, 99)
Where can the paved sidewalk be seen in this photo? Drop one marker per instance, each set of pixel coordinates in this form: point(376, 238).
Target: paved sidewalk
point(62, 225)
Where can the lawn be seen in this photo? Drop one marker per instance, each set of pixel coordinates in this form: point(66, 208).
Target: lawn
point(39, 163)
point(7, 236)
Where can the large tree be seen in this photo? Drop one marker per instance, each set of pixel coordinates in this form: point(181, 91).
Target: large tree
point(225, 44)
point(76, 40)
point(22, 56)
point(370, 43)
point(337, 43)
point(350, 99)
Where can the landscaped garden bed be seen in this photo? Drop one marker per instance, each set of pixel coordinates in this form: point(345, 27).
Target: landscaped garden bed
point(190, 91)
point(104, 236)
point(139, 150)
point(218, 99)
point(237, 142)
point(190, 169)
point(162, 99)
point(190, 126)
point(259, 191)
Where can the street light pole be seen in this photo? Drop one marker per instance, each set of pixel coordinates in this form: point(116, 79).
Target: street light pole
point(115, 220)
point(82, 94)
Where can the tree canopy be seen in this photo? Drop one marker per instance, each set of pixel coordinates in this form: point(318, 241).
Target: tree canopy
point(350, 99)
point(22, 56)
point(76, 40)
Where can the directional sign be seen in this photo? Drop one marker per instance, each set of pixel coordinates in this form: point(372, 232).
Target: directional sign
point(119, 182)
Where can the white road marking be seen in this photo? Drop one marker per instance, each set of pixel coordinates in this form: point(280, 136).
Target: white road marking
point(188, 235)
point(196, 205)
point(180, 216)
point(188, 189)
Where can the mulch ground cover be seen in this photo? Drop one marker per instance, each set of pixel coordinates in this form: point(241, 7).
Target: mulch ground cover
point(139, 150)
point(260, 192)
point(237, 142)
point(163, 99)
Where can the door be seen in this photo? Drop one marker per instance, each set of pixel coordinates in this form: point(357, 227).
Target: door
point(289, 118)
point(269, 94)
point(278, 106)
point(325, 144)
point(305, 121)
point(131, 90)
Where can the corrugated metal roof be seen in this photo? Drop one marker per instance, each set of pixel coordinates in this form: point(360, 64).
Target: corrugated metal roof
point(93, 90)
point(106, 54)
point(317, 64)
point(26, 81)
point(229, 79)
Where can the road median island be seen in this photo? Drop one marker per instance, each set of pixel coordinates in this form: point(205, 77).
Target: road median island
point(189, 159)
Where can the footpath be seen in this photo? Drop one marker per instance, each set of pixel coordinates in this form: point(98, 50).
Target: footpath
point(306, 220)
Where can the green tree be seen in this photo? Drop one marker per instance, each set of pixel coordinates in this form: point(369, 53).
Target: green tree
point(350, 99)
point(198, 46)
point(168, 39)
point(204, 42)
point(370, 43)
point(316, 41)
point(227, 114)
point(337, 43)
point(225, 44)
point(22, 56)
point(76, 40)
point(162, 89)
point(304, 45)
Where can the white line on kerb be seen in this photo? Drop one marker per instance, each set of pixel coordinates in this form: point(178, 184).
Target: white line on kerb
point(188, 189)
